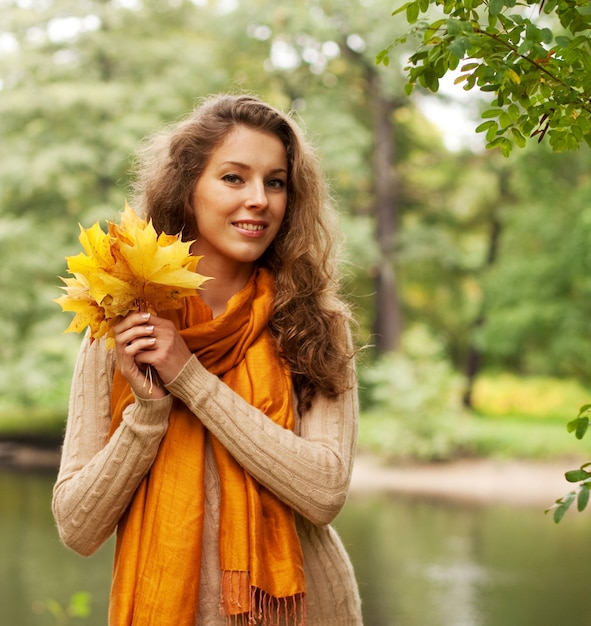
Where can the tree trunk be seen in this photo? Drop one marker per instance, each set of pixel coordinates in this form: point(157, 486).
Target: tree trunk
point(474, 357)
point(387, 327)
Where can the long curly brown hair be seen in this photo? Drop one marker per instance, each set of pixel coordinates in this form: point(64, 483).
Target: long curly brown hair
point(310, 321)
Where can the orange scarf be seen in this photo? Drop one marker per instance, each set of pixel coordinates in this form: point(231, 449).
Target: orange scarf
point(158, 552)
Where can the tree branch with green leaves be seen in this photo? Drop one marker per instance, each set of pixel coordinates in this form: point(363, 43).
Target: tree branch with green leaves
point(579, 426)
point(533, 57)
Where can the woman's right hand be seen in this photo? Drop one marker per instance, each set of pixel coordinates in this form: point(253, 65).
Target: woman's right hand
point(133, 336)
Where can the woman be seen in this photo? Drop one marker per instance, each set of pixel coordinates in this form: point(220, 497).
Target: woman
point(222, 481)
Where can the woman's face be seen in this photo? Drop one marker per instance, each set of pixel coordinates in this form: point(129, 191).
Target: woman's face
point(240, 200)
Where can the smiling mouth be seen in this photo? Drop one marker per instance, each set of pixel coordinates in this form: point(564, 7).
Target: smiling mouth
point(246, 226)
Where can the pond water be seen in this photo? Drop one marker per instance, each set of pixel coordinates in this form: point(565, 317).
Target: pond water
point(418, 562)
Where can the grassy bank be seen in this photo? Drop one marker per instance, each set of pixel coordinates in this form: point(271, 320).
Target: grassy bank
point(33, 423)
point(514, 417)
point(471, 436)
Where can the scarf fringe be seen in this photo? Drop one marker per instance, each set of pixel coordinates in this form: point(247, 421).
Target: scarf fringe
point(263, 609)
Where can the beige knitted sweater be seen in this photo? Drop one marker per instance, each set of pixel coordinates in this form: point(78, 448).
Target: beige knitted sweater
point(309, 469)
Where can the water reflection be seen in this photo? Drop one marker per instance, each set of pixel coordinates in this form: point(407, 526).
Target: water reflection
point(426, 563)
point(34, 566)
point(419, 562)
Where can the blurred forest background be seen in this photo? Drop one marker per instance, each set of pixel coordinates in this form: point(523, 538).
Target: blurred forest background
point(470, 273)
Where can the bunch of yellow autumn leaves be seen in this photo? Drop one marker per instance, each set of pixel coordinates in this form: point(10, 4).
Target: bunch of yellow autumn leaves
point(128, 268)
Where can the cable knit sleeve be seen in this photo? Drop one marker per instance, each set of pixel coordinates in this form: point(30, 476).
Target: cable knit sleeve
point(98, 476)
point(309, 470)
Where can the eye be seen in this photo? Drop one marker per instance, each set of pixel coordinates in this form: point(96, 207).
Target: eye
point(276, 183)
point(233, 179)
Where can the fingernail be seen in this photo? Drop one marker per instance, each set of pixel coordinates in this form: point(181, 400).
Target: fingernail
point(149, 328)
point(145, 316)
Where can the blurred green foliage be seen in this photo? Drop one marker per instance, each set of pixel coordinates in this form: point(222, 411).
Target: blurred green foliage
point(78, 608)
point(537, 398)
point(490, 255)
point(412, 409)
point(411, 402)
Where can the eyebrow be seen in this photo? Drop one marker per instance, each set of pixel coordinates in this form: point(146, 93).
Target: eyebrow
point(275, 170)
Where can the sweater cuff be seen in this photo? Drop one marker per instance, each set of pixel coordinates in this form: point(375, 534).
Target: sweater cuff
point(148, 417)
point(192, 379)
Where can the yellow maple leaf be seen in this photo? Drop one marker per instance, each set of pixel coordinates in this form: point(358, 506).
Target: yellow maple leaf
point(97, 245)
point(127, 268)
point(158, 267)
point(78, 300)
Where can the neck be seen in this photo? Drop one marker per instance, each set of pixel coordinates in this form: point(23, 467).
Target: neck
point(216, 293)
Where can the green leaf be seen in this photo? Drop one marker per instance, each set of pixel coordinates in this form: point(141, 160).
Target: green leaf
point(383, 57)
point(459, 47)
point(506, 147)
point(583, 497)
point(453, 28)
point(429, 79)
point(575, 476)
point(513, 76)
point(495, 143)
point(560, 511)
point(404, 7)
point(491, 133)
point(504, 120)
point(513, 111)
point(582, 427)
point(491, 113)
point(561, 506)
point(485, 126)
point(503, 143)
point(579, 426)
point(547, 35)
point(80, 605)
point(448, 6)
point(572, 425)
point(433, 31)
point(562, 41)
point(496, 6)
point(518, 138)
point(412, 12)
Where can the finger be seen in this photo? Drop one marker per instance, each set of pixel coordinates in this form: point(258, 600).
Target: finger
point(131, 320)
point(133, 334)
point(139, 346)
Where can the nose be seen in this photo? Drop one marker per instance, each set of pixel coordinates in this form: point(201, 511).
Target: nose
point(257, 195)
